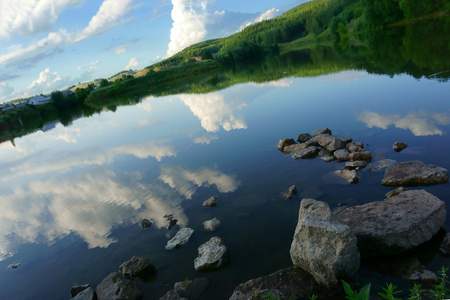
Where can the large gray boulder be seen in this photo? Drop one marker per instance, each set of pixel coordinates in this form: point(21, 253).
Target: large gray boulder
point(395, 224)
point(211, 255)
point(116, 287)
point(413, 173)
point(181, 237)
point(306, 153)
point(324, 247)
point(292, 282)
point(138, 267)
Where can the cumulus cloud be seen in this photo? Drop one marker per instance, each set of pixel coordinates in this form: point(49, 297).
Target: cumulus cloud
point(46, 80)
point(215, 112)
point(132, 64)
point(5, 91)
point(420, 124)
point(271, 13)
point(206, 139)
point(27, 17)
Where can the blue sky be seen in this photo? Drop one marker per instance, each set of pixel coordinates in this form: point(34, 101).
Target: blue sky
point(47, 45)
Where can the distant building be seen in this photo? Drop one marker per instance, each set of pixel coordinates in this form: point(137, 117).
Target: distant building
point(38, 100)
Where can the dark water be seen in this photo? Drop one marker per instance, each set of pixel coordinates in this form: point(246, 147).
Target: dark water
point(71, 197)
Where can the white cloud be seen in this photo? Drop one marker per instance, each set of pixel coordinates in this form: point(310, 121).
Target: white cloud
point(420, 124)
point(27, 17)
point(206, 139)
point(132, 64)
point(214, 112)
point(109, 15)
point(271, 13)
point(5, 91)
point(90, 67)
point(46, 81)
point(120, 49)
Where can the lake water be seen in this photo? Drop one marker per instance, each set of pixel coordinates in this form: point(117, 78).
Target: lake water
point(71, 197)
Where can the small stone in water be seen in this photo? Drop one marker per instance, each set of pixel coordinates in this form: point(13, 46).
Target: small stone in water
point(145, 223)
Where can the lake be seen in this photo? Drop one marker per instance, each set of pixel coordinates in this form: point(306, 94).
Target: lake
point(71, 197)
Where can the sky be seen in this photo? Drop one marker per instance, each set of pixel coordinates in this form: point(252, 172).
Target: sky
point(48, 45)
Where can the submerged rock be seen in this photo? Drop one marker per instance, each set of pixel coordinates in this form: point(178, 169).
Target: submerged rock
point(181, 237)
point(211, 225)
point(172, 223)
point(324, 247)
point(356, 164)
point(396, 192)
point(399, 146)
point(210, 202)
point(444, 249)
point(211, 255)
point(116, 287)
point(350, 175)
point(287, 194)
point(412, 173)
point(145, 223)
point(379, 165)
point(138, 267)
point(395, 224)
point(292, 282)
point(191, 289)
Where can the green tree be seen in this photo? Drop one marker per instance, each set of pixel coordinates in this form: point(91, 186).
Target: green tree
point(104, 82)
point(207, 55)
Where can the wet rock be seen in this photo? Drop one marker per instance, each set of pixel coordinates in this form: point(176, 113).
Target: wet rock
point(321, 131)
point(181, 237)
point(292, 282)
point(14, 266)
point(323, 152)
point(211, 202)
point(396, 224)
point(328, 158)
point(287, 194)
point(191, 289)
point(350, 175)
point(355, 147)
point(172, 223)
point(324, 247)
point(285, 142)
point(145, 223)
point(413, 173)
point(303, 137)
point(172, 295)
point(399, 146)
point(306, 153)
point(329, 142)
point(362, 155)
point(86, 294)
point(379, 165)
point(378, 155)
point(211, 225)
point(138, 267)
point(75, 290)
point(294, 148)
point(356, 164)
point(445, 246)
point(211, 255)
point(116, 287)
point(396, 192)
point(337, 143)
point(424, 276)
point(342, 154)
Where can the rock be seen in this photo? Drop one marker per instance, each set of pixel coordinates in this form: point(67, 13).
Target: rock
point(323, 152)
point(287, 194)
point(172, 295)
point(285, 142)
point(350, 175)
point(116, 287)
point(378, 155)
point(399, 146)
point(321, 131)
point(211, 225)
point(395, 224)
point(138, 267)
point(292, 282)
point(211, 255)
point(328, 158)
point(75, 290)
point(355, 147)
point(294, 148)
point(191, 289)
point(306, 153)
point(424, 276)
point(329, 142)
point(181, 237)
point(382, 164)
point(337, 143)
point(413, 173)
point(145, 223)
point(356, 164)
point(342, 154)
point(362, 155)
point(172, 223)
point(211, 202)
point(324, 247)
point(87, 294)
point(445, 246)
point(303, 137)
point(14, 266)
point(395, 192)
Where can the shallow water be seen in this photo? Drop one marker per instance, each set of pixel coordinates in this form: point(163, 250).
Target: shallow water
point(71, 197)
